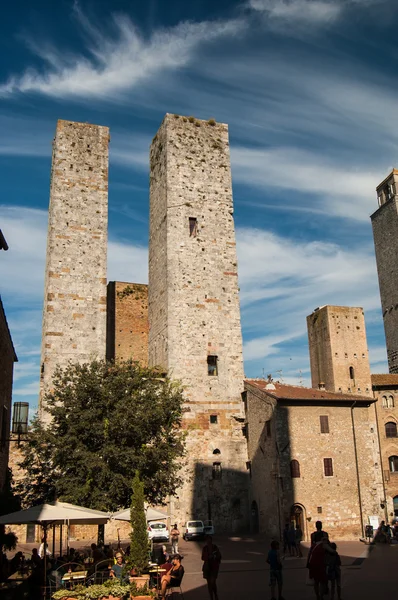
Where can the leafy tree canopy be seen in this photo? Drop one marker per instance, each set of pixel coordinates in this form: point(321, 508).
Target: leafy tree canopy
point(109, 420)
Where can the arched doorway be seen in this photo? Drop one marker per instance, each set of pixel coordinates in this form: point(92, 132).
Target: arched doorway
point(254, 517)
point(297, 516)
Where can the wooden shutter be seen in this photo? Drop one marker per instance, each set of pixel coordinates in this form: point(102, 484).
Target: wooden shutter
point(295, 468)
point(328, 467)
point(324, 424)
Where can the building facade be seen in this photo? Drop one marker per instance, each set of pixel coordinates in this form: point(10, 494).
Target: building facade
point(385, 233)
point(7, 360)
point(313, 455)
point(127, 322)
point(338, 347)
point(74, 315)
point(385, 389)
point(194, 314)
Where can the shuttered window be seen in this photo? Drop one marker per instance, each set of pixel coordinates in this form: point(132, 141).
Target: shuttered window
point(324, 420)
point(294, 468)
point(328, 467)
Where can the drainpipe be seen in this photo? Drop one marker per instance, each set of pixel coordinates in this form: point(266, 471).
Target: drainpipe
point(357, 467)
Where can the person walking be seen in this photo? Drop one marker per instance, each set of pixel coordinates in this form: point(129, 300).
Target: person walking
point(286, 542)
point(211, 557)
point(291, 536)
point(275, 570)
point(318, 534)
point(299, 539)
point(333, 568)
point(175, 534)
point(317, 566)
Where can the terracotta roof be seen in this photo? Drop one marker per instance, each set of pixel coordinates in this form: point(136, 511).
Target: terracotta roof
point(384, 379)
point(281, 391)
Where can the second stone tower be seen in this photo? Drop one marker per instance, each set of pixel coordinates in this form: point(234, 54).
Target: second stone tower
point(194, 314)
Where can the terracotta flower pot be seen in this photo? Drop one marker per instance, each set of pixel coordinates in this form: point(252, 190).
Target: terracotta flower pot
point(141, 597)
point(141, 581)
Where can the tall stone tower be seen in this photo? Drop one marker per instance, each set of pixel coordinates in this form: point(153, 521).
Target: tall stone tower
point(385, 233)
point(338, 350)
point(74, 316)
point(194, 316)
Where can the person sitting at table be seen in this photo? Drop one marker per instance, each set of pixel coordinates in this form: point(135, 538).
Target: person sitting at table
point(117, 570)
point(174, 577)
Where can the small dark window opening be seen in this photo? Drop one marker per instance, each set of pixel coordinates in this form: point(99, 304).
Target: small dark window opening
point(324, 421)
point(245, 431)
point(319, 510)
point(216, 451)
point(328, 467)
point(42, 370)
point(294, 468)
point(268, 428)
point(391, 429)
point(193, 226)
point(213, 419)
point(212, 367)
point(217, 471)
point(393, 463)
point(352, 373)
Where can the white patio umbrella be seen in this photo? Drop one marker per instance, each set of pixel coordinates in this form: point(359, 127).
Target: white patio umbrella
point(57, 513)
point(151, 515)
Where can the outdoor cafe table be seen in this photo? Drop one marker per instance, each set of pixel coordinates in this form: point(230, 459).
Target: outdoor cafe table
point(157, 570)
point(74, 575)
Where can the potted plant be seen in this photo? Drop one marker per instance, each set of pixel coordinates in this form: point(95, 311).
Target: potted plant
point(142, 592)
point(96, 592)
point(116, 590)
point(139, 546)
point(78, 592)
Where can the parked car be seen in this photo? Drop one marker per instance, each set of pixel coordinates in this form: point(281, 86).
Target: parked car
point(157, 531)
point(209, 527)
point(193, 530)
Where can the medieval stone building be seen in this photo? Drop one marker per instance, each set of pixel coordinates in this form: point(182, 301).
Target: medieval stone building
point(194, 315)
point(74, 315)
point(385, 233)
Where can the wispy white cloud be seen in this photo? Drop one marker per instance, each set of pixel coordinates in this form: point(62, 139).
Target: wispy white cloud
point(313, 12)
point(117, 60)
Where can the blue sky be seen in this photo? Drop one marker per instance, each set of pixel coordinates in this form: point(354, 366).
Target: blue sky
point(309, 91)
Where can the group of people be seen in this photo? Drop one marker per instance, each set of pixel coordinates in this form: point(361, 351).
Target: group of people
point(323, 563)
point(292, 538)
point(386, 533)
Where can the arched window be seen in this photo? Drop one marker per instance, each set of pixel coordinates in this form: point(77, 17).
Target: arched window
point(390, 402)
point(216, 451)
point(384, 402)
point(393, 463)
point(294, 468)
point(391, 429)
point(352, 374)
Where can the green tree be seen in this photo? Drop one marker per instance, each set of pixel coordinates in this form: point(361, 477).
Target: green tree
point(139, 545)
point(108, 420)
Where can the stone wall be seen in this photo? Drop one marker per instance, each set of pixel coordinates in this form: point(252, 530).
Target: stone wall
point(340, 500)
point(74, 316)
point(385, 233)
point(194, 312)
point(7, 359)
point(127, 322)
point(339, 354)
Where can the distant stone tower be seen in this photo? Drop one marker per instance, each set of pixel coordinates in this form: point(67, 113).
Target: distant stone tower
point(385, 233)
point(74, 316)
point(127, 322)
point(194, 316)
point(338, 350)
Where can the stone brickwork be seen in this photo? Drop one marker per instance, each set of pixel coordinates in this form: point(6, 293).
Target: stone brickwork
point(74, 316)
point(7, 359)
point(385, 389)
point(284, 425)
point(127, 322)
point(194, 314)
point(385, 233)
point(338, 350)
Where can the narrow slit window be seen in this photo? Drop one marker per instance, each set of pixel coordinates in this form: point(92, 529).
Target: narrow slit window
point(217, 471)
point(212, 365)
point(294, 468)
point(328, 467)
point(352, 373)
point(193, 226)
point(268, 428)
point(324, 421)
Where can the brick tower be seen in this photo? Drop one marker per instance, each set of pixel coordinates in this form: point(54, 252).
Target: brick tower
point(385, 233)
point(194, 316)
point(74, 316)
point(338, 350)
